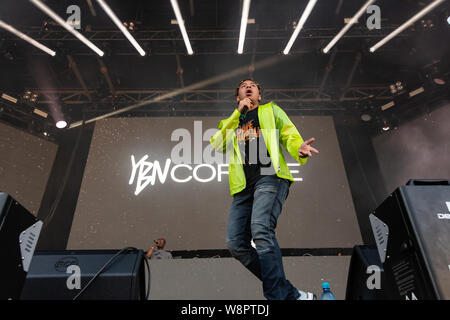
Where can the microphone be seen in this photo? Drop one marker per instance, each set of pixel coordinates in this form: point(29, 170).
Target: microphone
point(244, 113)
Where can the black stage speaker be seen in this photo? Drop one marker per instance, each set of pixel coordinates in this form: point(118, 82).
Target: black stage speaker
point(412, 232)
point(19, 233)
point(365, 266)
point(53, 275)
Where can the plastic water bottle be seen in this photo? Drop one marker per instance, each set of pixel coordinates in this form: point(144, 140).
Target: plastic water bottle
point(326, 293)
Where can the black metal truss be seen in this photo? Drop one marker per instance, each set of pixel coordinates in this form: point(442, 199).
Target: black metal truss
point(204, 96)
point(60, 34)
point(207, 41)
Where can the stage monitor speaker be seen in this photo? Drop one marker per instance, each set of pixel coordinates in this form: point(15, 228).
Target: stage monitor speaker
point(365, 275)
point(412, 232)
point(19, 233)
point(61, 275)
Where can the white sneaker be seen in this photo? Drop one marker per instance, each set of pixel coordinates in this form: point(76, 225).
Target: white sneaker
point(306, 295)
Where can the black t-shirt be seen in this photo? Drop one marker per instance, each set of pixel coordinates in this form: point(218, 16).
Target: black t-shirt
point(253, 149)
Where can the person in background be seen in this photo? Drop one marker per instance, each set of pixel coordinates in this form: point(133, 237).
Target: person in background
point(157, 250)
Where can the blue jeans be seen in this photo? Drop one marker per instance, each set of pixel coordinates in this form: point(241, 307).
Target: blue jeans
point(254, 214)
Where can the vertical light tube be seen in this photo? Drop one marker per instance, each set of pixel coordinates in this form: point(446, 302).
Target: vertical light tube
point(244, 20)
point(347, 26)
point(26, 38)
point(180, 20)
point(66, 26)
point(119, 25)
point(300, 24)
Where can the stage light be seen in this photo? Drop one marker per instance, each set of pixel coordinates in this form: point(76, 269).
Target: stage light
point(244, 20)
point(66, 26)
point(40, 113)
point(46, 24)
point(393, 89)
point(61, 124)
point(448, 19)
point(180, 20)
point(348, 26)
point(427, 23)
point(439, 81)
point(9, 98)
point(31, 96)
point(300, 24)
point(387, 105)
point(386, 125)
point(407, 24)
point(396, 88)
point(26, 38)
point(121, 27)
point(416, 92)
point(131, 26)
point(34, 97)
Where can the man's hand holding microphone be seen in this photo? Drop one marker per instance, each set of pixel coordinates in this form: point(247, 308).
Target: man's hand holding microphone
point(244, 105)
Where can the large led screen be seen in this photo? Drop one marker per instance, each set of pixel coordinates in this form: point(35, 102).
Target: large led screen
point(135, 189)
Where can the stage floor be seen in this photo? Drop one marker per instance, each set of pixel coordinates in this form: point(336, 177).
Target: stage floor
point(227, 279)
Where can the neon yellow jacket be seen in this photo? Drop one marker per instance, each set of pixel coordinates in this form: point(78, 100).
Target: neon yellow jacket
point(276, 128)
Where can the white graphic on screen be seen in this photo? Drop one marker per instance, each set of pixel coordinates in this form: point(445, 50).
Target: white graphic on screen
point(146, 172)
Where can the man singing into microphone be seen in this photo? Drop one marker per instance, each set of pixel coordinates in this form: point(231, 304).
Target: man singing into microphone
point(259, 181)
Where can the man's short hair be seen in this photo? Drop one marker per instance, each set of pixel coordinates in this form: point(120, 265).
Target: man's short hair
point(248, 79)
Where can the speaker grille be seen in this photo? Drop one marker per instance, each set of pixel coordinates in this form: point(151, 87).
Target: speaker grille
point(404, 277)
